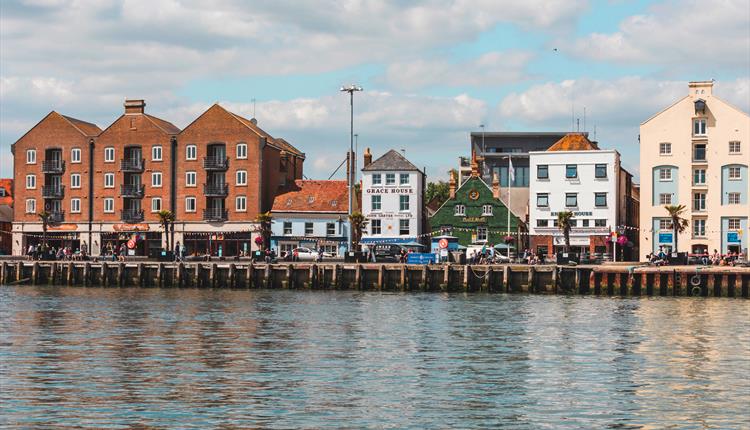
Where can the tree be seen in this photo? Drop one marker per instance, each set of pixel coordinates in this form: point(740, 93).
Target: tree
point(679, 224)
point(45, 217)
point(264, 228)
point(358, 222)
point(564, 224)
point(437, 190)
point(166, 218)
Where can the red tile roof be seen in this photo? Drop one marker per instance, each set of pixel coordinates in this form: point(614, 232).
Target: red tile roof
point(278, 142)
point(87, 128)
point(313, 196)
point(573, 142)
point(167, 126)
point(7, 185)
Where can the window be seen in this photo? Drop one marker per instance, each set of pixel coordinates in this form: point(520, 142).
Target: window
point(733, 223)
point(735, 174)
point(390, 179)
point(459, 210)
point(520, 176)
point(665, 199)
point(156, 153)
point(600, 171)
point(665, 174)
point(404, 227)
point(600, 223)
point(735, 147)
point(375, 202)
point(330, 229)
point(481, 234)
point(75, 155)
point(189, 204)
point(241, 177)
point(375, 226)
point(554, 223)
point(30, 206)
point(287, 228)
point(665, 224)
point(190, 179)
point(31, 156)
point(30, 182)
point(665, 148)
point(156, 179)
point(155, 204)
point(109, 205)
point(699, 152)
point(733, 198)
point(486, 210)
point(109, 180)
point(571, 171)
point(75, 206)
point(699, 177)
point(109, 154)
point(600, 199)
point(699, 201)
point(191, 152)
point(403, 203)
point(377, 179)
point(542, 223)
point(75, 180)
point(240, 204)
point(699, 127)
point(584, 223)
point(308, 228)
point(571, 200)
point(542, 171)
point(241, 150)
point(699, 227)
point(542, 200)
point(573, 222)
point(403, 179)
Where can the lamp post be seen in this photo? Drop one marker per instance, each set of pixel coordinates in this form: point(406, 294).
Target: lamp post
point(351, 89)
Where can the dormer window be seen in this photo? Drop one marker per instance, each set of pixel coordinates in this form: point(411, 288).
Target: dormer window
point(459, 210)
point(700, 107)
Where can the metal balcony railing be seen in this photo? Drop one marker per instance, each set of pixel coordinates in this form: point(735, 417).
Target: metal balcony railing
point(56, 217)
point(132, 191)
point(53, 191)
point(214, 162)
point(131, 215)
point(53, 166)
point(215, 190)
point(214, 214)
point(132, 164)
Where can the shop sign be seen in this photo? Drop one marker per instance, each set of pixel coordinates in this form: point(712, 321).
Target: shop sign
point(665, 237)
point(473, 219)
point(63, 227)
point(390, 191)
point(574, 241)
point(389, 215)
point(733, 237)
point(130, 227)
point(582, 213)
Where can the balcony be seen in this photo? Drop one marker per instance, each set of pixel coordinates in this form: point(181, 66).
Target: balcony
point(214, 214)
point(215, 190)
point(134, 165)
point(53, 166)
point(132, 191)
point(131, 215)
point(56, 217)
point(53, 191)
point(214, 162)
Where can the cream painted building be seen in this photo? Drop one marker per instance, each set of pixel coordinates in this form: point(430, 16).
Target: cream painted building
point(696, 152)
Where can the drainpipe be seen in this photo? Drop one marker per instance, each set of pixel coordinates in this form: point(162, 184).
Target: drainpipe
point(90, 249)
point(173, 184)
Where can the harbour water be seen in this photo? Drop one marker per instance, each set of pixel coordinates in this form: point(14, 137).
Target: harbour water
point(171, 358)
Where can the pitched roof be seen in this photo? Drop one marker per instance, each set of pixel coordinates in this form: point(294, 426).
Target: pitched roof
point(7, 185)
point(573, 142)
point(391, 160)
point(166, 126)
point(86, 128)
point(278, 142)
point(313, 196)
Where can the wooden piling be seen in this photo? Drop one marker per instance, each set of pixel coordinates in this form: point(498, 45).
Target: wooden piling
point(232, 276)
point(120, 274)
point(70, 275)
point(249, 275)
point(104, 274)
point(4, 273)
point(35, 273)
point(724, 286)
point(711, 285)
point(381, 276)
point(87, 274)
point(358, 277)
point(268, 273)
point(52, 278)
point(213, 274)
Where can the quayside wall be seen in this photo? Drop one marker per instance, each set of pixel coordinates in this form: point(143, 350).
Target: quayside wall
point(548, 279)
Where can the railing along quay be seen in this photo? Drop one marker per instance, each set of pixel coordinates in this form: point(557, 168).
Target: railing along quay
point(547, 279)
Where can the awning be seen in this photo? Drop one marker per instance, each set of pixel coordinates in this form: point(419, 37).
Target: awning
point(387, 240)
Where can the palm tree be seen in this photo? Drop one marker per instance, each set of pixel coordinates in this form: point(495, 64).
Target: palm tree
point(679, 224)
point(564, 224)
point(264, 220)
point(45, 217)
point(358, 222)
point(166, 218)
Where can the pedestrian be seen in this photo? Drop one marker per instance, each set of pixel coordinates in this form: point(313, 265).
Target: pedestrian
point(177, 251)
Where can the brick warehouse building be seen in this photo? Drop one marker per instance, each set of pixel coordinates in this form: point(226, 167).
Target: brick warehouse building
point(105, 188)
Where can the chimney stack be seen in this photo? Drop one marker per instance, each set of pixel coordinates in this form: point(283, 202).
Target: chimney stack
point(452, 186)
point(134, 106)
point(474, 164)
point(495, 186)
point(368, 157)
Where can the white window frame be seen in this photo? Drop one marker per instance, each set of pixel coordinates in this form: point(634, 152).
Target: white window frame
point(734, 169)
point(703, 128)
point(109, 183)
point(459, 210)
point(109, 201)
point(376, 198)
point(403, 179)
point(486, 210)
point(734, 198)
point(404, 198)
point(699, 227)
point(155, 207)
point(545, 196)
point(241, 151)
point(703, 176)
point(154, 182)
point(191, 175)
point(31, 182)
point(75, 180)
point(30, 206)
point(732, 145)
point(665, 174)
point(401, 227)
point(194, 204)
point(109, 154)
point(287, 228)
point(31, 156)
point(379, 227)
point(481, 234)
point(330, 229)
point(240, 204)
point(665, 224)
point(75, 155)
point(665, 148)
point(75, 206)
point(379, 178)
point(665, 199)
point(390, 179)
point(597, 195)
point(188, 150)
point(703, 202)
point(240, 177)
point(310, 230)
point(156, 153)
point(732, 221)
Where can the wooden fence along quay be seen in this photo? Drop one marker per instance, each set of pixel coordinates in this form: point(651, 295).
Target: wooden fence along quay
point(547, 279)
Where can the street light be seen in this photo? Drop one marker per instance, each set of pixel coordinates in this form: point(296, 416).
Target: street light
point(351, 89)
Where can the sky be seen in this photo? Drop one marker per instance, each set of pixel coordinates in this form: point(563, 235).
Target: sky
point(432, 71)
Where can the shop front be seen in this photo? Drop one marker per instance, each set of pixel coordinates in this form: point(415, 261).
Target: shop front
point(228, 244)
point(55, 240)
point(137, 243)
point(285, 244)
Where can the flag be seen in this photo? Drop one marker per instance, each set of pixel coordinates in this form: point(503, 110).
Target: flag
point(511, 172)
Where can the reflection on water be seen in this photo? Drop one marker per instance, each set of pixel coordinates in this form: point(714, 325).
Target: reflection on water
point(118, 358)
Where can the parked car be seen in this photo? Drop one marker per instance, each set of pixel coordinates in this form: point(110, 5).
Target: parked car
point(302, 253)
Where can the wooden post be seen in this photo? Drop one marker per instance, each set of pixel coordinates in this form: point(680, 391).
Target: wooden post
point(629, 284)
point(104, 277)
point(358, 277)
point(160, 275)
point(313, 277)
point(52, 273)
point(19, 271)
point(232, 276)
point(335, 276)
point(670, 284)
point(446, 276)
point(683, 287)
point(555, 281)
point(711, 284)
point(139, 274)
point(268, 273)
point(381, 276)
point(578, 288)
point(531, 280)
point(249, 275)
point(180, 274)
point(4, 273)
point(213, 274)
point(86, 274)
point(197, 275)
point(724, 286)
point(423, 279)
point(120, 274)
point(402, 279)
point(592, 282)
point(35, 273)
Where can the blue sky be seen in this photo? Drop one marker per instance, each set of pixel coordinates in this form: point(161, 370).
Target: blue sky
point(432, 70)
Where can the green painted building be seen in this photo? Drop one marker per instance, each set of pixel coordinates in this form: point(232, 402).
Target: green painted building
point(474, 213)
